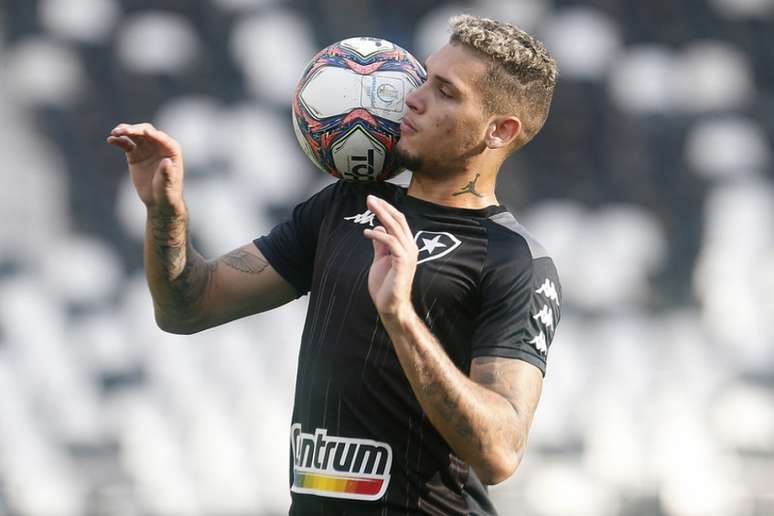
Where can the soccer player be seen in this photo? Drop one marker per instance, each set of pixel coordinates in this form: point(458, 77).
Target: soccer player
point(431, 308)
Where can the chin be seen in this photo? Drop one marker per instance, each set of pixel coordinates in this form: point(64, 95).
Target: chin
point(407, 159)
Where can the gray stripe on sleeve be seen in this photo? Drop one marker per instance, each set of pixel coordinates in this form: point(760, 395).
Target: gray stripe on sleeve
point(507, 220)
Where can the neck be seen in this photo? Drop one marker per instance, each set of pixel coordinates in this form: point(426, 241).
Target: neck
point(468, 189)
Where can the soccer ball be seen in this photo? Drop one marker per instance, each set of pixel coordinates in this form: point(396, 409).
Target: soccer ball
point(348, 105)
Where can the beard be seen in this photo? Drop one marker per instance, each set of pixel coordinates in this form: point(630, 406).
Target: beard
point(407, 160)
point(429, 165)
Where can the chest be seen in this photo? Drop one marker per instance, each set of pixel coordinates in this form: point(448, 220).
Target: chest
point(449, 262)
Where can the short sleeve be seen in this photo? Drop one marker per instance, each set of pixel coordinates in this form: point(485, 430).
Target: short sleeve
point(520, 305)
point(290, 246)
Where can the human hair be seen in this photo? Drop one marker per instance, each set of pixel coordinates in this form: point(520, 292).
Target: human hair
point(521, 72)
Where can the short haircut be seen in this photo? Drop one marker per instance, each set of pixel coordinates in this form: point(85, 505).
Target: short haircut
point(521, 72)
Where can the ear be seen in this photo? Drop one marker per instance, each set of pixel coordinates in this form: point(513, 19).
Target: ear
point(502, 131)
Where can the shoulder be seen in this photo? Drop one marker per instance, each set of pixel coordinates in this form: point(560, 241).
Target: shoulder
point(514, 253)
point(509, 240)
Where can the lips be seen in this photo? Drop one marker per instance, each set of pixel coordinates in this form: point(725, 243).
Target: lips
point(406, 125)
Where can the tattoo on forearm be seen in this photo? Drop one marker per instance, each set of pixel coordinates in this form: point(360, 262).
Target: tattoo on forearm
point(493, 378)
point(449, 409)
point(169, 235)
point(193, 280)
point(464, 429)
point(187, 271)
point(245, 262)
point(470, 188)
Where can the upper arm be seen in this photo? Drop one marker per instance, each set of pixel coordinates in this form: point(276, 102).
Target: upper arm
point(269, 272)
point(518, 381)
point(241, 283)
point(520, 302)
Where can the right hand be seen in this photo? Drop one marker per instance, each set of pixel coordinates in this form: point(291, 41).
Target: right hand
point(155, 164)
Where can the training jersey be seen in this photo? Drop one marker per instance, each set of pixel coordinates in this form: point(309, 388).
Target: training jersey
point(360, 443)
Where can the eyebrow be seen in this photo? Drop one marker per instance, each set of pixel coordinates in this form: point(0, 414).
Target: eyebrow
point(442, 79)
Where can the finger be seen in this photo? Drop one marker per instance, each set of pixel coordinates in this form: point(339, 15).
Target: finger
point(124, 142)
point(393, 220)
point(130, 129)
point(398, 216)
point(119, 129)
point(162, 138)
point(146, 130)
point(135, 129)
point(392, 244)
point(380, 249)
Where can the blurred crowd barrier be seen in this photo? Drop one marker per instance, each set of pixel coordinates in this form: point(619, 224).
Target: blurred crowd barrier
point(652, 185)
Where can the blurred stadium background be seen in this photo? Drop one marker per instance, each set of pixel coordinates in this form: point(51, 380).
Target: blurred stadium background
point(652, 185)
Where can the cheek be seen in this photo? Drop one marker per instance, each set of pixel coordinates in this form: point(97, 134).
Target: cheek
point(447, 127)
point(454, 132)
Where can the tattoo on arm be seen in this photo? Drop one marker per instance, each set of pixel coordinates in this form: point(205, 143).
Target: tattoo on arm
point(187, 271)
point(195, 276)
point(243, 261)
point(470, 188)
point(169, 235)
point(448, 409)
point(501, 376)
point(493, 377)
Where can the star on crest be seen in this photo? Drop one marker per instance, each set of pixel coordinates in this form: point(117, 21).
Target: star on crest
point(431, 244)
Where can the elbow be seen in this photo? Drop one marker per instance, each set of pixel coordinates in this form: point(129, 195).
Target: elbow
point(176, 326)
point(499, 467)
point(177, 330)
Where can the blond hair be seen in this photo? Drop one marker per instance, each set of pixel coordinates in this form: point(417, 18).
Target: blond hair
point(521, 74)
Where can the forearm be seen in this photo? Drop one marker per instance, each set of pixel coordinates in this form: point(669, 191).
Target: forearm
point(177, 275)
point(481, 426)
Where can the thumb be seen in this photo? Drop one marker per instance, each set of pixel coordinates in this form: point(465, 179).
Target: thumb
point(165, 164)
point(167, 169)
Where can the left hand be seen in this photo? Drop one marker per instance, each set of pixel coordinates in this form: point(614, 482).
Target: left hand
point(395, 259)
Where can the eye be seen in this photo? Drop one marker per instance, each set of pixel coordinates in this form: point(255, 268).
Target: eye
point(443, 91)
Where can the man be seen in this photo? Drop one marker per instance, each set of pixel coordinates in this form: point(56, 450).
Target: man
point(431, 309)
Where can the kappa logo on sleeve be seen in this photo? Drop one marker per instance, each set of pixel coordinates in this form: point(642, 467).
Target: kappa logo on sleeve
point(548, 289)
point(545, 316)
point(339, 467)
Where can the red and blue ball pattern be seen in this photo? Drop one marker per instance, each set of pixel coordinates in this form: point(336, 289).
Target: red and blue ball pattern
point(321, 133)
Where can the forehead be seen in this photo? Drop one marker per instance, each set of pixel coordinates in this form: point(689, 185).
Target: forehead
point(457, 64)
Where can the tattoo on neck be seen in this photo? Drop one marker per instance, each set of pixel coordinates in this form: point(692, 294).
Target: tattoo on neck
point(470, 188)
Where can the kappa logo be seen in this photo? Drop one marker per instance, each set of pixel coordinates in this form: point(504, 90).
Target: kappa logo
point(545, 316)
point(548, 289)
point(434, 244)
point(339, 467)
point(431, 244)
point(540, 343)
point(362, 218)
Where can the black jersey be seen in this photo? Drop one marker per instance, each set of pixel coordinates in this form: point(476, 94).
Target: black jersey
point(359, 441)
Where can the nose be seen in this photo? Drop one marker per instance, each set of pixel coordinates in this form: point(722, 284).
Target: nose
point(415, 101)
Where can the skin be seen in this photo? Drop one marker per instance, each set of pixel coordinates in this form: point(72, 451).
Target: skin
point(448, 130)
point(458, 149)
point(189, 293)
